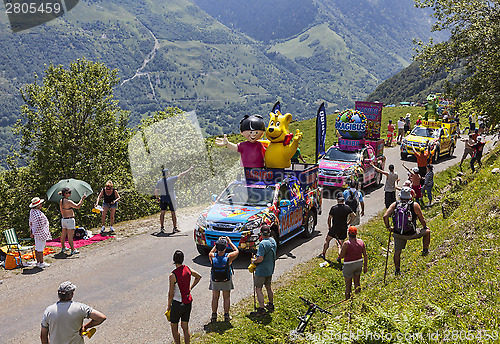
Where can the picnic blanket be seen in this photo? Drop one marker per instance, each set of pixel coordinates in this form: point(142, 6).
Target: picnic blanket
point(79, 243)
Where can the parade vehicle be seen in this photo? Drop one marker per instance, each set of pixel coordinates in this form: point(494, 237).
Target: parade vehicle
point(288, 200)
point(442, 138)
point(352, 159)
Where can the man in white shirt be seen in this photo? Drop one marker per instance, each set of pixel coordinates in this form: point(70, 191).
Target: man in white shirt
point(401, 128)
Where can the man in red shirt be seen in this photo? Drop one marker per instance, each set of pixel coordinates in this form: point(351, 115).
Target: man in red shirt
point(422, 156)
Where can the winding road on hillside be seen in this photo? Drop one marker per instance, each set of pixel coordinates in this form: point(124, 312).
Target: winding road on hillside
point(126, 278)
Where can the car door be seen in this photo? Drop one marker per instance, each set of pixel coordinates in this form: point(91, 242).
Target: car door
point(445, 140)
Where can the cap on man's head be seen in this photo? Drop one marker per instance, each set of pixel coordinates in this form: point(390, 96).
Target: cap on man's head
point(340, 197)
point(165, 171)
point(352, 230)
point(66, 287)
point(415, 169)
point(405, 193)
point(221, 244)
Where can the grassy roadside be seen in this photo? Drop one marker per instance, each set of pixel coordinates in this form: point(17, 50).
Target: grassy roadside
point(451, 295)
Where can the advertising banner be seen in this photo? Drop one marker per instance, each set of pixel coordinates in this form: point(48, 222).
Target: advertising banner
point(373, 113)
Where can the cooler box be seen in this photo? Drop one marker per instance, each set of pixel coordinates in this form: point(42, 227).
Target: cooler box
point(377, 145)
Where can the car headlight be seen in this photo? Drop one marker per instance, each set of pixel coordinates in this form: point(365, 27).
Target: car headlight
point(202, 221)
point(252, 225)
point(321, 171)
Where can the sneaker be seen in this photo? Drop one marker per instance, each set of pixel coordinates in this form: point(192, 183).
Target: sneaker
point(103, 229)
point(162, 230)
point(64, 249)
point(397, 272)
point(425, 252)
point(112, 230)
point(270, 307)
point(42, 265)
point(258, 313)
point(75, 251)
point(322, 256)
point(213, 318)
point(176, 230)
point(227, 317)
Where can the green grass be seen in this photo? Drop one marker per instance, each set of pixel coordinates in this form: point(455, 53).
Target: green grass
point(453, 293)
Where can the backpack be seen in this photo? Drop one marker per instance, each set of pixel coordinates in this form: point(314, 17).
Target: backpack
point(221, 270)
point(352, 201)
point(403, 219)
point(80, 233)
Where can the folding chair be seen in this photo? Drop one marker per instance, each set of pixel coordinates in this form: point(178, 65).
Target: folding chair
point(13, 243)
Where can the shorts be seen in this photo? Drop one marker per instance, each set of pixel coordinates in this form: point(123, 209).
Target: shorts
point(168, 205)
point(401, 131)
point(357, 219)
point(39, 244)
point(111, 206)
point(400, 240)
point(180, 311)
point(68, 223)
point(338, 234)
point(468, 151)
point(390, 197)
point(260, 281)
point(418, 190)
point(351, 269)
point(221, 286)
point(390, 134)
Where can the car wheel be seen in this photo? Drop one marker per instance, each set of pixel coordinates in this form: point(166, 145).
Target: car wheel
point(436, 156)
point(204, 251)
point(310, 224)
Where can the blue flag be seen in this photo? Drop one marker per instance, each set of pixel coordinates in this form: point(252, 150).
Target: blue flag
point(276, 107)
point(320, 131)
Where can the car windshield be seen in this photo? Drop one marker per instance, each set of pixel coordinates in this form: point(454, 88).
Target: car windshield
point(240, 194)
point(425, 132)
point(335, 154)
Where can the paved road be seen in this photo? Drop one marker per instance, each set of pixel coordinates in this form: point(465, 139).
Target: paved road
point(127, 278)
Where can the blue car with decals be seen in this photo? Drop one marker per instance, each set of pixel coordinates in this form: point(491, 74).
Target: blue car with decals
point(286, 200)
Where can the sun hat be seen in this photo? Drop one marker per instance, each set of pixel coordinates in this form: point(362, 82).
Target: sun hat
point(405, 193)
point(66, 287)
point(36, 202)
point(352, 230)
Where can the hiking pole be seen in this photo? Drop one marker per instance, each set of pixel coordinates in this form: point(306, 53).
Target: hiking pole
point(387, 254)
point(254, 306)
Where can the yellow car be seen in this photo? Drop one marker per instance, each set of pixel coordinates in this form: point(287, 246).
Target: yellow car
point(442, 138)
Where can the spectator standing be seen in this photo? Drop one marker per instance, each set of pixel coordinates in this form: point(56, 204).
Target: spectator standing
point(66, 207)
point(413, 212)
point(354, 199)
point(415, 182)
point(355, 260)
point(478, 153)
point(62, 322)
point(221, 275)
point(390, 133)
point(429, 183)
point(401, 129)
point(469, 142)
point(110, 198)
point(165, 194)
point(407, 126)
point(391, 182)
point(472, 125)
point(423, 155)
point(179, 297)
point(295, 158)
point(339, 218)
point(419, 120)
point(39, 230)
point(265, 261)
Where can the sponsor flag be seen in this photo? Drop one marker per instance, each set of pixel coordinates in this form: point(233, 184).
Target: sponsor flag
point(320, 131)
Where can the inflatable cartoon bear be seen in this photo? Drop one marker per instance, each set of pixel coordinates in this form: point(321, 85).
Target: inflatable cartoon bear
point(282, 144)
